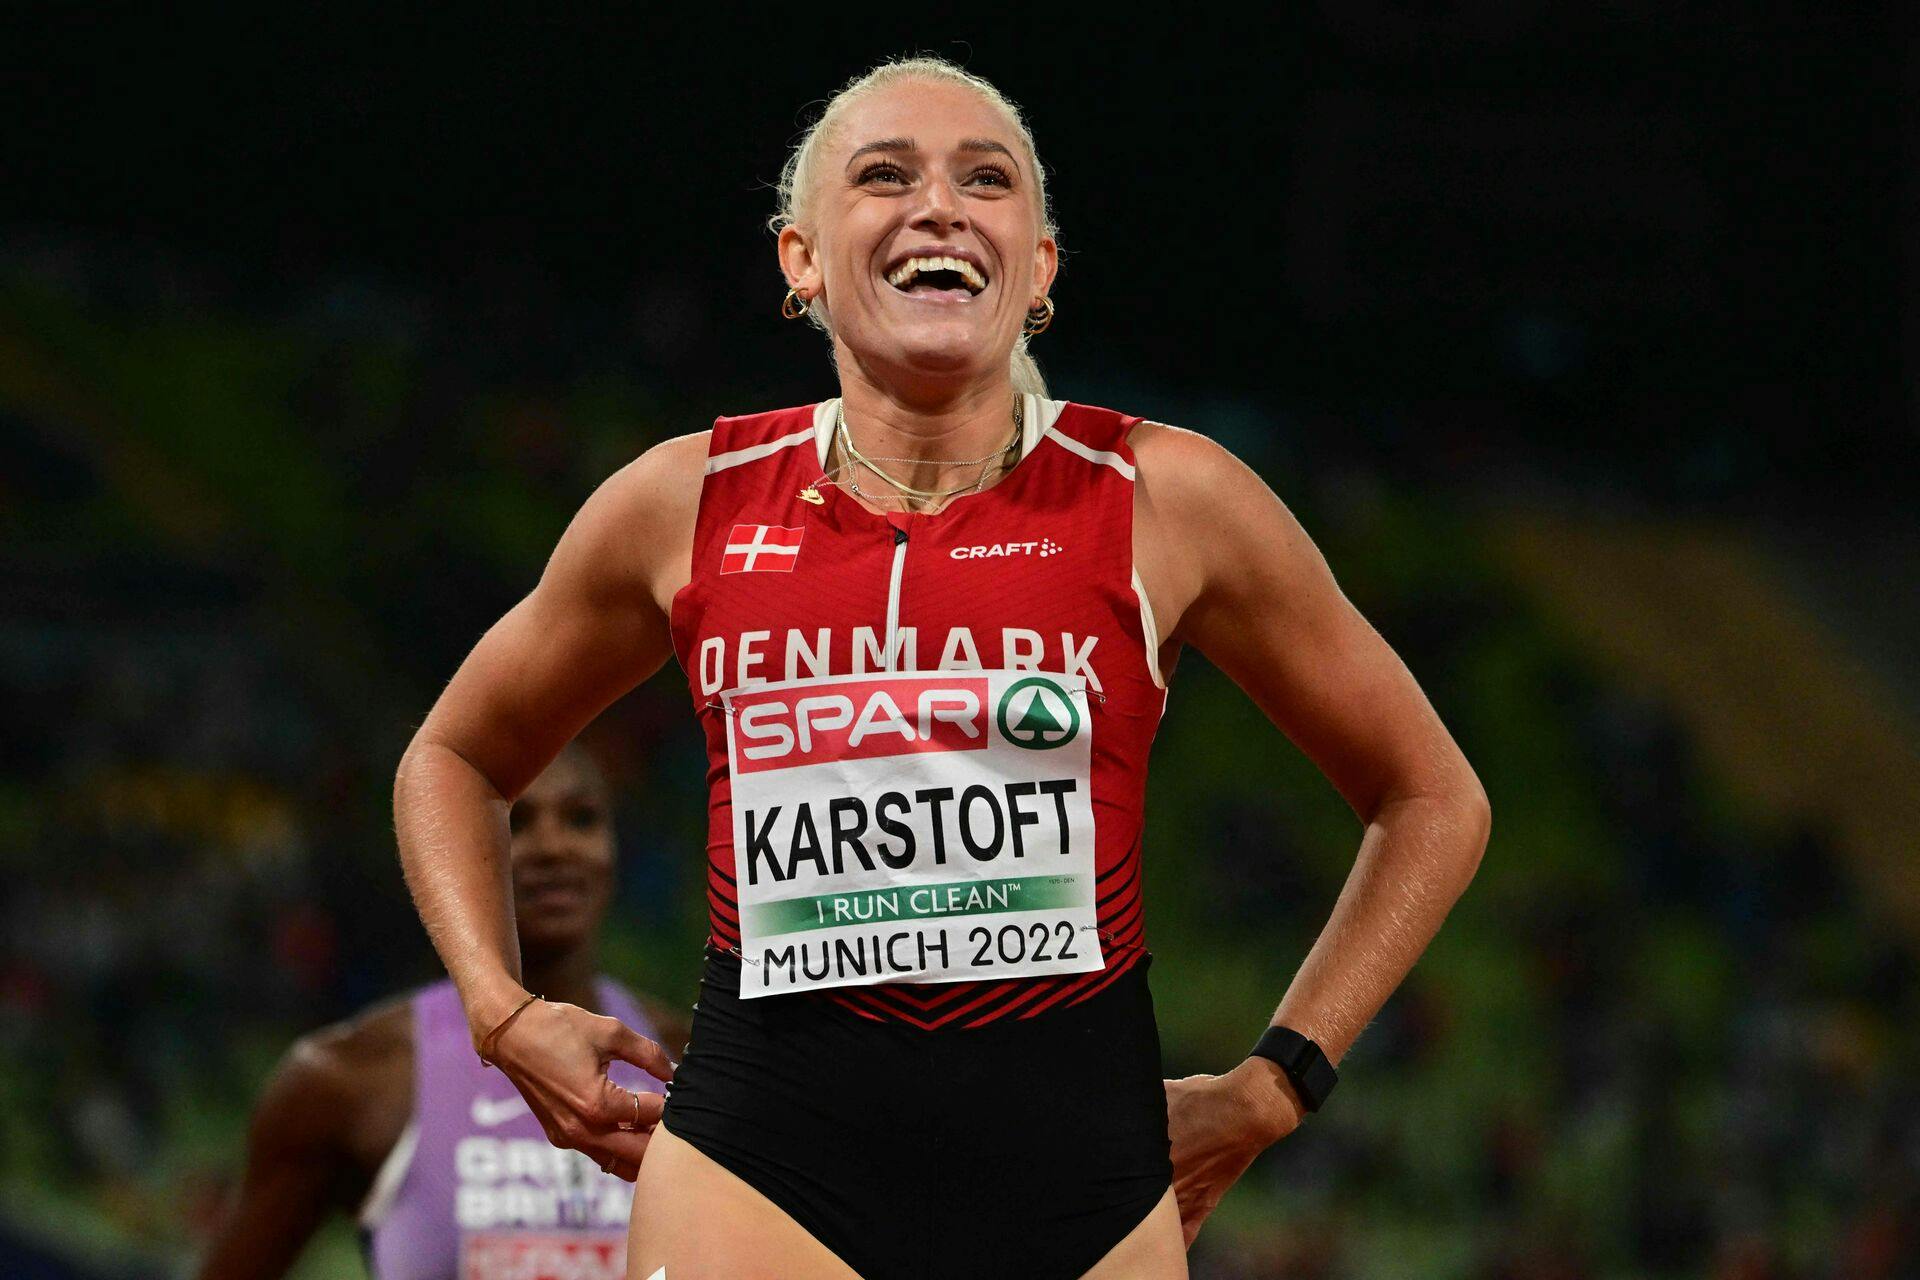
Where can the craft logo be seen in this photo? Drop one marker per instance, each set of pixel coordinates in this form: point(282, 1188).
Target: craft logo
point(761, 548)
point(1044, 547)
point(1038, 714)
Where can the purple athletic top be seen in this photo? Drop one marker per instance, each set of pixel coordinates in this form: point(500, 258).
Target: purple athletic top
point(473, 1189)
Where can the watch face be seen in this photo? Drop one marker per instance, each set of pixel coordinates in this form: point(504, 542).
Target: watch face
point(1317, 1080)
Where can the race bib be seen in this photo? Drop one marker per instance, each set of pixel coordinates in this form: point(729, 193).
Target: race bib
point(916, 826)
point(549, 1256)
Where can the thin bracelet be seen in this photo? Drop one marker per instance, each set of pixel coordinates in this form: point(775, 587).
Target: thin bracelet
point(487, 1042)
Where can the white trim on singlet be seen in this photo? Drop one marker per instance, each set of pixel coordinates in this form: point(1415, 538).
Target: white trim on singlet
point(1041, 415)
point(824, 414)
point(1150, 631)
point(893, 601)
point(755, 452)
point(1098, 456)
point(393, 1172)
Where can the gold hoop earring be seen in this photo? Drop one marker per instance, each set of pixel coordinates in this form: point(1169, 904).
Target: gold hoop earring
point(1038, 318)
point(793, 306)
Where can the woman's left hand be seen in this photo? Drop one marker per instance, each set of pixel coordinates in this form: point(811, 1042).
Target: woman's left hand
point(1218, 1124)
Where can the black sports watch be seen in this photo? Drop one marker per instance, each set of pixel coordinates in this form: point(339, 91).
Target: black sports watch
point(1312, 1075)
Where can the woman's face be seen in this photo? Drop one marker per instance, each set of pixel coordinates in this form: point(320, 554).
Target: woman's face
point(916, 172)
point(563, 849)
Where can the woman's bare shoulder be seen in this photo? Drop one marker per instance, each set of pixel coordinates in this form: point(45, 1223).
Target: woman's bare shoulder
point(661, 485)
point(1180, 462)
point(342, 1092)
point(1181, 478)
point(639, 523)
point(348, 1056)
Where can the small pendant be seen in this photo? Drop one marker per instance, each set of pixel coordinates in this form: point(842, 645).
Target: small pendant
point(811, 494)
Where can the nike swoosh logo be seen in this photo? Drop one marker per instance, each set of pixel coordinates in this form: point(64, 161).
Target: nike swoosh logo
point(488, 1112)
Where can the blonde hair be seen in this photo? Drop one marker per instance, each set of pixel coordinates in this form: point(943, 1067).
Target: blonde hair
point(799, 176)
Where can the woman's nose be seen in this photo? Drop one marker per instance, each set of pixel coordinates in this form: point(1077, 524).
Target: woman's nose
point(940, 207)
point(544, 839)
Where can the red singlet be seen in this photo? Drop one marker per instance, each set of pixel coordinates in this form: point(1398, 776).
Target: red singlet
point(791, 597)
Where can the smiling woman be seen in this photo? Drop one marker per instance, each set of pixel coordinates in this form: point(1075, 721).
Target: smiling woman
point(1012, 167)
point(928, 625)
point(389, 1114)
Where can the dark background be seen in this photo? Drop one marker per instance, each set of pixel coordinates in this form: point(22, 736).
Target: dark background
point(1679, 235)
point(1582, 339)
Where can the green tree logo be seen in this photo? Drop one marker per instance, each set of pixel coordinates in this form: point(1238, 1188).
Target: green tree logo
point(1038, 714)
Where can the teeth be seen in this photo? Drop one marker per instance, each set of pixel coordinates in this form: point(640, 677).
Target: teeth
point(904, 274)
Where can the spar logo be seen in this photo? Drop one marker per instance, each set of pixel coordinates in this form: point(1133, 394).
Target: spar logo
point(1038, 714)
point(858, 720)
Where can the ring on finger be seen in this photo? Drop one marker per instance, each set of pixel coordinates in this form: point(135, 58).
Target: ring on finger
point(633, 1125)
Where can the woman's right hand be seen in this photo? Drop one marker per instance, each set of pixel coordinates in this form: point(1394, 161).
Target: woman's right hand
point(557, 1056)
point(594, 627)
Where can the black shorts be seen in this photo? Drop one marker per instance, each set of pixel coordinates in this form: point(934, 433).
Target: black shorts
point(1017, 1149)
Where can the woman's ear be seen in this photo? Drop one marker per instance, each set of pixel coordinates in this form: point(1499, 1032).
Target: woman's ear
point(798, 264)
point(1046, 264)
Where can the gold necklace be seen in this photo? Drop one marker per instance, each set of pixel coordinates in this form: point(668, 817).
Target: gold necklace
point(845, 436)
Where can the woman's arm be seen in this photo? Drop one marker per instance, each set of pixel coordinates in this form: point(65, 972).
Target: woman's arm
point(299, 1166)
point(595, 626)
point(1244, 584)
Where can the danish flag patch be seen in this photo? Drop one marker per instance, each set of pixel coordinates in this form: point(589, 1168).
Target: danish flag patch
point(761, 548)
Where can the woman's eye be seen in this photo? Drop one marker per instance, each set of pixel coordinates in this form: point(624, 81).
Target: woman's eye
point(992, 177)
point(883, 172)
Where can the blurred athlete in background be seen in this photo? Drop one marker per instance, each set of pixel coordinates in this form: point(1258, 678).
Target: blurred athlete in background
point(389, 1115)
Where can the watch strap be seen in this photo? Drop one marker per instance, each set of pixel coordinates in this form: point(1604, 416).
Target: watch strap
point(1312, 1075)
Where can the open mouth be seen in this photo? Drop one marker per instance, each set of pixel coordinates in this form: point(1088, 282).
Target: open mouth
point(938, 277)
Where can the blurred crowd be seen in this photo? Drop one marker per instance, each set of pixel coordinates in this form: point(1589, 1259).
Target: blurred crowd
point(1697, 1060)
point(1657, 1038)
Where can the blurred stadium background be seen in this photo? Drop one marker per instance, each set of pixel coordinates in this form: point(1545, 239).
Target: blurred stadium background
point(1586, 341)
